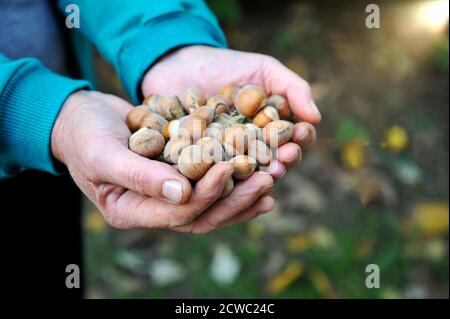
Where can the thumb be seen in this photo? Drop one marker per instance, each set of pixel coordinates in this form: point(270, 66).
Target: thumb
point(147, 177)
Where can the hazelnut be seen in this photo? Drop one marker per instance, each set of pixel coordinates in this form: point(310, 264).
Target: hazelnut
point(135, 116)
point(146, 142)
point(169, 107)
point(214, 130)
point(153, 121)
point(151, 99)
point(193, 99)
point(204, 112)
point(281, 104)
point(171, 129)
point(220, 103)
point(212, 148)
point(277, 133)
point(192, 126)
point(192, 163)
point(254, 132)
point(174, 147)
point(260, 151)
point(230, 91)
point(229, 185)
point(265, 116)
point(235, 140)
point(244, 166)
point(248, 100)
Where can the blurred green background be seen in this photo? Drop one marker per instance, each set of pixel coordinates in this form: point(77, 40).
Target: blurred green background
point(374, 190)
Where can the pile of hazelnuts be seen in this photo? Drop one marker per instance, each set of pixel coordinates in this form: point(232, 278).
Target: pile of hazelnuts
point(242, 125)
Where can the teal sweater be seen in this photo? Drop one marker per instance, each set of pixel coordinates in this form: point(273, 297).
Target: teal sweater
point(131, 35)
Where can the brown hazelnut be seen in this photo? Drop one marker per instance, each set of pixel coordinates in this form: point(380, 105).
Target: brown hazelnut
point(244, 166)
point(135, 116)
point(146, 142)
point(248, 100)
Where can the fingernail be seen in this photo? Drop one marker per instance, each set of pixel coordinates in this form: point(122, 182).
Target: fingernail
point(272, 198)
point(302, 132)
point(172, 191)
point(294, 158)
point(276, 169)
point(314, 107)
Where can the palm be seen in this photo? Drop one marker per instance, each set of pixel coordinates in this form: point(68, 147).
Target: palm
point(207, 69)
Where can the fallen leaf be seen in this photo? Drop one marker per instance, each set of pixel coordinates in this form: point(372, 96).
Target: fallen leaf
point(396, 139)
point(285, 278)
point(435, 250)
point(322, 283)
point(299, 242)
point(322, 237)
point(94, 221)
point(391, 293)
point(255, 229)
point(364, 247)
point(431, 218)
point(353, 155)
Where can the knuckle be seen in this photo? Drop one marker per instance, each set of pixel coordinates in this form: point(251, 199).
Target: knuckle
point(202, 230)
point(264, 181)
point(139, 180)
point(208, 191)
point(212, 195)
point(111, 217)
point(182, 219)
point(271, 63)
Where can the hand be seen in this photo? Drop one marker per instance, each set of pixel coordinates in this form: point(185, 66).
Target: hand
point(90, 136)
point(209, 69)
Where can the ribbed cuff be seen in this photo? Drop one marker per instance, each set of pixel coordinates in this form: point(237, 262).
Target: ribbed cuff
point(157, 38)
point(29, 105)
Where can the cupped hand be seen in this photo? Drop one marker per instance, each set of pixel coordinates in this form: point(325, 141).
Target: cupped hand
point(209, 69)
point(90, 137)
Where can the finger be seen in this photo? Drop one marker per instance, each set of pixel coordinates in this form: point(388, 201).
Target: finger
point(244, 195)
point(120, 166)
point(128, 209)
point(278, 79)
point(205, 193)
point(289, 154)
point(264, 205)
point(275, 169)
point(304, 135)
point(210, 187)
